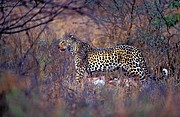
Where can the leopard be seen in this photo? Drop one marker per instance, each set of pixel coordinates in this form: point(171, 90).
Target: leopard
point(91, 59)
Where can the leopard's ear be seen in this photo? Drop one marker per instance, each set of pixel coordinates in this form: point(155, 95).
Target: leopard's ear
point(70, 35)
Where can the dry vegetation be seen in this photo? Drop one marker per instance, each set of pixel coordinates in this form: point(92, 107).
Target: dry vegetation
point(36, 80)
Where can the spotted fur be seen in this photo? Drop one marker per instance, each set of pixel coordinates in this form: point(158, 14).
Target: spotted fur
point(89, 59)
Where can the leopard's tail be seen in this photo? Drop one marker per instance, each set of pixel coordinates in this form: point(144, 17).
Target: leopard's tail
point(163, 77)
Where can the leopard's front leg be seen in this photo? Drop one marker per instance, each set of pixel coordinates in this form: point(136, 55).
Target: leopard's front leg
point(79, 74)
point(80, 70)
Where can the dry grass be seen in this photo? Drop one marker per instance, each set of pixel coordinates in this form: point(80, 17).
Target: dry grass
point(57, 99)
point(36, 80)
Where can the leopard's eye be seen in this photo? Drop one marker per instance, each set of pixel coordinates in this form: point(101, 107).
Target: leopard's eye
point(62, 41)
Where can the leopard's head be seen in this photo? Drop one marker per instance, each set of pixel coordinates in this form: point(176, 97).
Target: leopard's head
point(66, 42)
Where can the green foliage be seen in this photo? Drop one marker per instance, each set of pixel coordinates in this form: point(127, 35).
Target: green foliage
point(175, 4)
point(44, 57)
point(17, 103)
point(22, 106)
point(172, 19)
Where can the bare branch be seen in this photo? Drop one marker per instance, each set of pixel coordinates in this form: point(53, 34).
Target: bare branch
point(10, 11)
point(38, 14)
